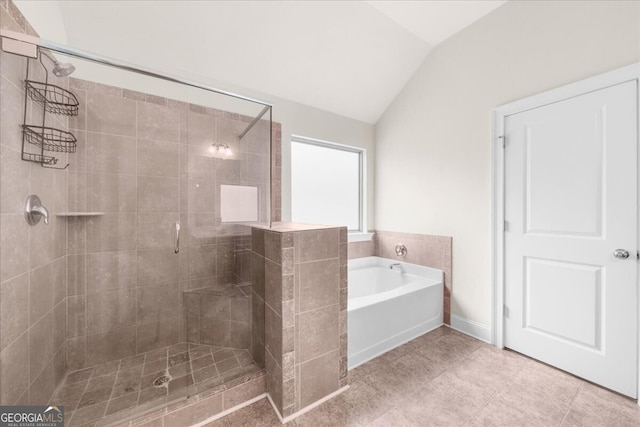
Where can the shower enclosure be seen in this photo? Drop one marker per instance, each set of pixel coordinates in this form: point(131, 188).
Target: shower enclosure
point(138, 291)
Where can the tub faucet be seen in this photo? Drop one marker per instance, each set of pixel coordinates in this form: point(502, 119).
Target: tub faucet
point(395, 265)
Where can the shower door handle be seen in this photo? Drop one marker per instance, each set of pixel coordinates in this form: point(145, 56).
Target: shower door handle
point(176, 243)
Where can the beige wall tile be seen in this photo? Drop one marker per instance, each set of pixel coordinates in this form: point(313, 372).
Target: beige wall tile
point(158, 302)
point(156, 229)
point(200, 163)
point(157, 266)
point(154, 335)
point(40, 292)
point(158, 194)
point(76, 316)
point(77, 191)
point(257, 240)
point(12, 113)
point(14, 370)
point(59, 279)
point(40, 345)
point(257, 317)
point(59, 325)
point(15, 185)
point(239, 334)
point(14, 258)
point(318, 332)
point(215, 332)
point(228, 130)
point(42, 387)
point(195, 413)
point(273, 246)
point(240, 394)
point(273, 334)
point(158, 122)
point(202, 261)
point(14, 318)
point(201, 128)
point(319, 284)
point(114, 231)
point(106, 346)
point(228, 170)
point(202, 195)
point(158, 158)
point(319, 244)
point(240, 309)
point(111, 114)
point(110, 310)
point(111, 192)
point(76, 235)
point(107, 153)
point(111, 270)
point(318, 378)
point(41, 242)
point(273, 285)
point(76, 351)
point(215, 306)
point(79, 122)
point(199, 229)
point(76, 273)
point(274, 380)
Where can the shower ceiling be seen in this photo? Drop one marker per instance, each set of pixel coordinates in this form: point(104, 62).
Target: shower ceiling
point(349, 57)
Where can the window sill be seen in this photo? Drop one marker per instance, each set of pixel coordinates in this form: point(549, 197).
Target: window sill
point(359, 237)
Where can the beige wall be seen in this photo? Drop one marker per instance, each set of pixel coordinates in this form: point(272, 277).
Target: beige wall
point(433, 144)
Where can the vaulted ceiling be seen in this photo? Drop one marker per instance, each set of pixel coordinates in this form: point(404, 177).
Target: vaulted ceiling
point(347, 57)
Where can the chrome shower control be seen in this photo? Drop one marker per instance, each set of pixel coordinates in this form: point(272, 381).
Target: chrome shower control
point(34, 211)
point(621, 253)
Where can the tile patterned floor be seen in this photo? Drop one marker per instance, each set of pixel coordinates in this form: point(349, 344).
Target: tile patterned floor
point(91, 394)
point(445, 378)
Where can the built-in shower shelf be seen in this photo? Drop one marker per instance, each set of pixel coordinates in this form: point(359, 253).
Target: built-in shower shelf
point(79, 213)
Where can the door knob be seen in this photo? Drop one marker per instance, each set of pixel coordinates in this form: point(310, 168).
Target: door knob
point(621, 253)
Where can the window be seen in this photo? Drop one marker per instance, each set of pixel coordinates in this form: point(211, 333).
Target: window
point(327, 183)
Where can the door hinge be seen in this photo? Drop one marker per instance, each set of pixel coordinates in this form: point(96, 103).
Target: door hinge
point(505, 311)
point(503, 140)
point(505, 226)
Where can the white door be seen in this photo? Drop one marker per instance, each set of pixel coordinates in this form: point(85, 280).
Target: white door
point(570, 203)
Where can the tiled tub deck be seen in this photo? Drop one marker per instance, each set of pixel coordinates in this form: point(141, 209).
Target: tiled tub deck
point(124, 389)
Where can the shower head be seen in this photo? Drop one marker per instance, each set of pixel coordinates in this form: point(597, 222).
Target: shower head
point(60, 69)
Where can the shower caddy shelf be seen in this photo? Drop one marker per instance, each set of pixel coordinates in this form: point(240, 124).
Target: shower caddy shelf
point(55, 100)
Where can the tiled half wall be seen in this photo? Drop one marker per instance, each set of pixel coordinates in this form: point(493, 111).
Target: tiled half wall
point(422, 249)
point(305, 312)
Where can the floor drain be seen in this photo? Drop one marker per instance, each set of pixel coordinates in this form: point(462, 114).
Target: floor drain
point(161, 380)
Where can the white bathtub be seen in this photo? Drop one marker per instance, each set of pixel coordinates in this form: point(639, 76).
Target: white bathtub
point(390, 307)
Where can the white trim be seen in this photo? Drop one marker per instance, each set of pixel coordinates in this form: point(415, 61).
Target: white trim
point(602, 81)
point(230, 410)
point(306, 408)
point(359, 237)
point(471, 328)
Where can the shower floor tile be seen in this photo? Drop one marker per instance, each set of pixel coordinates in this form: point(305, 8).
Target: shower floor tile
point(92, 393)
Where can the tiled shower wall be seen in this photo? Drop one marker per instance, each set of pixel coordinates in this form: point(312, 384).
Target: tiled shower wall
point(32, 259)
point(142, 161)
point(305, 321)
point(422, 249)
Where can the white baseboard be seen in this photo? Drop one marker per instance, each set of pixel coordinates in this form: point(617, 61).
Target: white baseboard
point(471, 328)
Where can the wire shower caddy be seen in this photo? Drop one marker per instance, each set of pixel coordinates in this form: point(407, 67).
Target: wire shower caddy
point(55, 100)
